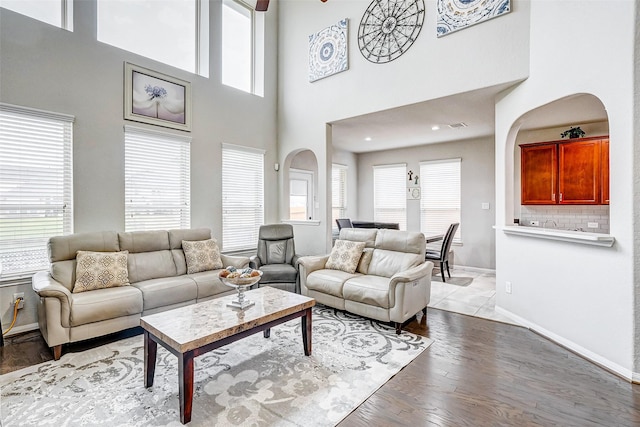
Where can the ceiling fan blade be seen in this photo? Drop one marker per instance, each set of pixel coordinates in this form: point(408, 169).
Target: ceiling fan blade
point(262, 5)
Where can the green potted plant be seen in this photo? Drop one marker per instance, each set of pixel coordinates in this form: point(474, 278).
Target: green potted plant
point(574, 132)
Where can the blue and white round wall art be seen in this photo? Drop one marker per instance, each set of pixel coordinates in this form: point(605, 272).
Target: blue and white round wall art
point(328, 51)
point(454, 15)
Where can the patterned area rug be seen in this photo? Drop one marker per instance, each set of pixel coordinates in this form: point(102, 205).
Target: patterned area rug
point(252, 382)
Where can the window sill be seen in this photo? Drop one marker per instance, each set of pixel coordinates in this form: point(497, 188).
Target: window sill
point(580, 237)
point(301, 222)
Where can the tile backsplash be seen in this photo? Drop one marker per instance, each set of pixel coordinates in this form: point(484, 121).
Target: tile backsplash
point(567, 217)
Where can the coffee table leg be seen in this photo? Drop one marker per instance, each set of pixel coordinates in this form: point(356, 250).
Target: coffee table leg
point(150, 350)
point(267, 333)
point(306, 332)
point(185, 373)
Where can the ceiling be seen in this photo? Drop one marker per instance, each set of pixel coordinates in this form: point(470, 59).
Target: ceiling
point(411, 125)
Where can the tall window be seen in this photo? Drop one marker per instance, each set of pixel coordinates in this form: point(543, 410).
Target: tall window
point(440, 202)
point(237, 45)
point(338, 193)
point(54, 12)
point(389, 198)
point(175, 32)
point(35, 186)
point(242, 197)
point(157, 179)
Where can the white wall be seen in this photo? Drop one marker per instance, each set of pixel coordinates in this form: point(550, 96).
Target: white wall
point(52, 69)
point(477, 186)
point(581, 296)
point(484, 55)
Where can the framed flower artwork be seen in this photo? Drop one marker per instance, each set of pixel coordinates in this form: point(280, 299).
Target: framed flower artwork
point(155, 98)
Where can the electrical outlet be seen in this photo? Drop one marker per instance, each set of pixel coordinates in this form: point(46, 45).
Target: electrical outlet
point(534, 223)
point(507, 287)
point(592, 225)
point(15, 297)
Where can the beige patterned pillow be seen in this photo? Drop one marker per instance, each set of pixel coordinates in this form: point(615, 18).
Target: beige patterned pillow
point(365, 260)
point(201, 255)
point(100, 270)
point(345, 255)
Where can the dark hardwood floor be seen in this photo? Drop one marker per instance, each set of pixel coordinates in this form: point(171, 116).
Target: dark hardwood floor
point(477, 373)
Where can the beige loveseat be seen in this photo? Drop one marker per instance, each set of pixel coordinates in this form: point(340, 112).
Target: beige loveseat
point(392, 283)
point(157, 272)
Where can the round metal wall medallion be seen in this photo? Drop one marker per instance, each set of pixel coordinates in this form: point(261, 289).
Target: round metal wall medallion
point(388, 28)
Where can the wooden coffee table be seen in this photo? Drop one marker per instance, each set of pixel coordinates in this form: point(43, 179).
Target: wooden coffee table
point(196, 329)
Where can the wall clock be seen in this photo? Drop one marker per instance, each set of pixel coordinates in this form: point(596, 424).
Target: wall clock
point(413, 193)
point(388, 28)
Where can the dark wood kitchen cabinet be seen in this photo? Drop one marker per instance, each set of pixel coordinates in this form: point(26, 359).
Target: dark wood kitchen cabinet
point(568, 172)
point(539, 174)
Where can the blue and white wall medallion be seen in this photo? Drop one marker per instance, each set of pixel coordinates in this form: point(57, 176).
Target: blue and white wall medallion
point(328, 51)
point(454, 15)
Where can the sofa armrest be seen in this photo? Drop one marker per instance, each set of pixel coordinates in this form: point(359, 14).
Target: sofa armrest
point(414, 273)
point(236, 261)
point(47, 287)
point(312, 263)
point(254, 262)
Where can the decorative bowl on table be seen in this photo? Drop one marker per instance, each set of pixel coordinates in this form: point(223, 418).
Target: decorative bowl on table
point(241, 279)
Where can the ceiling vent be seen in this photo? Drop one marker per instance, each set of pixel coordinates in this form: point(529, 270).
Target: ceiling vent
point(458, 125)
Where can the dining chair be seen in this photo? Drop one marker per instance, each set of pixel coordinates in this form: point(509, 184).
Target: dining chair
point(344, 223)
point(442, 256)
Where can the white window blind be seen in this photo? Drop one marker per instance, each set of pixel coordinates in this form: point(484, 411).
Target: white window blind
point(157, 180)
point(338, 193)
point(389, 194)
point(35, 186)
point(440, 202)
point(242, 197)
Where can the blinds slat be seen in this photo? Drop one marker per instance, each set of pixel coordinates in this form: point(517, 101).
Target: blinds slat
point(389, 198)
point(157, 180)
point(242, 197)
point(440, 202)
point(35, 186)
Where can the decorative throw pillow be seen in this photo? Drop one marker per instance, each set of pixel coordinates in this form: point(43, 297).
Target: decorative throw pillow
point(365, 260)
point(100, 270)
point(345, 255)
point(202, 255)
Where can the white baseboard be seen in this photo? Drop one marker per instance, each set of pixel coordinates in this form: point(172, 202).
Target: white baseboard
point(21, 329)
point(592, 357)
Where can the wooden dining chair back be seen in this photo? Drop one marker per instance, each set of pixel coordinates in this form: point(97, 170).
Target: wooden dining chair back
point(442, 256)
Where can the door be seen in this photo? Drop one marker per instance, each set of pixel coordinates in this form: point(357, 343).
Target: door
point(579, 172)
point(300, 194)
point(539, 169)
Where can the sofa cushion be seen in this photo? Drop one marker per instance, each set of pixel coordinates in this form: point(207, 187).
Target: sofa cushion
point(345, 255)
point(100, 270)
point(387, 263)
point(66, 247)
point(360, 235)
point(365, 260)
point(151, 265)
point(371, 290)
point(328, 281)
point(208, 284)
point(167, 291)
point(144, 241)
point(104, 304)
point(175, 243)
point(201, 255)
point(278, 273)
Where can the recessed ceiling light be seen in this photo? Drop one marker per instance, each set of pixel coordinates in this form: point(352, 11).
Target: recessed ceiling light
point(458, 125)
point(436, 127)
point(368, 138)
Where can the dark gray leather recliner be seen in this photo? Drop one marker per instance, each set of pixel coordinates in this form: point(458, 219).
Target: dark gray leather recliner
point(276, 257)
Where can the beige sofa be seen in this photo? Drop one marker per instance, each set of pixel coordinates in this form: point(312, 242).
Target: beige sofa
point(393, 287)
point(157, 273)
